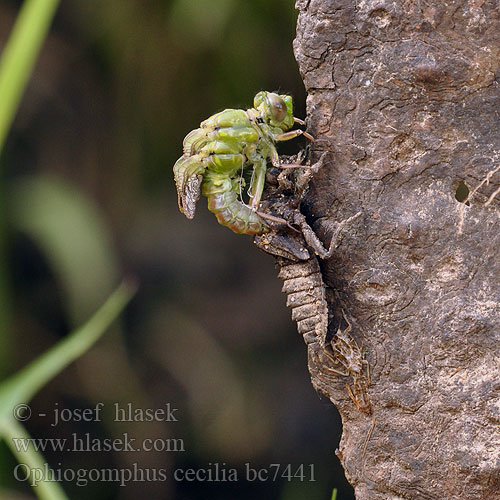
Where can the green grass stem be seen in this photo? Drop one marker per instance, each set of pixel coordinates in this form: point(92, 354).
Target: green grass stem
point(19, 57)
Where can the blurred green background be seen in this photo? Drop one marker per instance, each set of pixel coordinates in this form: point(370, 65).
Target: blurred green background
point(90, 198)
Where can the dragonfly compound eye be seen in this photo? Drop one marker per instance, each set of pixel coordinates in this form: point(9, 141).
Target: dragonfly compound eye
point(278, 107)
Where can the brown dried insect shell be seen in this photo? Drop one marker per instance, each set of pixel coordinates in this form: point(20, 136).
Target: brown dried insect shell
point(303, 284)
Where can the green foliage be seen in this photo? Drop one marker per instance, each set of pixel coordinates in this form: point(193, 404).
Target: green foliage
point(61, 222)
point(21, 387)
point(19, 57)
point(69, 230)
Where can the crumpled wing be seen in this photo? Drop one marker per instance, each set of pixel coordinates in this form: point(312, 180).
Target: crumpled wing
point(188, 172)
point(191, 195)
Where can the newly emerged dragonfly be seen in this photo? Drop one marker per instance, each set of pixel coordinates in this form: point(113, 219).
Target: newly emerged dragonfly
point(229, 147)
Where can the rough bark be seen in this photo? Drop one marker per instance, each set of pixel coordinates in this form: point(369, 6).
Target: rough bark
point(404, 96)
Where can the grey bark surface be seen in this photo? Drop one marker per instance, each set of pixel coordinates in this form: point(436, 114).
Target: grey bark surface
point(404, 96)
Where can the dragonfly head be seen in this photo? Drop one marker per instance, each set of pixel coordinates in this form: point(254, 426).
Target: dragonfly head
point(276, 110)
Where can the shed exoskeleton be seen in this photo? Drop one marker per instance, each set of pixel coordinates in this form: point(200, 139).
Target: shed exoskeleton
point(297, 254)
point(227, 146)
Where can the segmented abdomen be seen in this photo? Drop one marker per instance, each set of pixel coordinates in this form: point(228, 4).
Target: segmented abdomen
point(303, 284)
point(223, 201)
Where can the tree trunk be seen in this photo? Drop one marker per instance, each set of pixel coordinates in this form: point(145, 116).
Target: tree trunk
point(403, 94)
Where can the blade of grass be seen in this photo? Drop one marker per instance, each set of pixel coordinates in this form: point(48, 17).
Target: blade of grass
point(33, 465)
point(16, 65)
point(19, 57)
point(69, 229)
point(23, 385)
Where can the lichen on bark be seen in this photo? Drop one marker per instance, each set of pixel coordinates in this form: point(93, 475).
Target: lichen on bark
point(404, 96)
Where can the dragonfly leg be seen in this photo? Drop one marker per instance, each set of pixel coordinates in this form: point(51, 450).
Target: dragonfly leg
point(275, 161)
point(277, 220)
point(257, 183)
point(286, 136)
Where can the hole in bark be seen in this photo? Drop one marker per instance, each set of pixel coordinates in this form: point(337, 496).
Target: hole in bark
point(462, 193)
